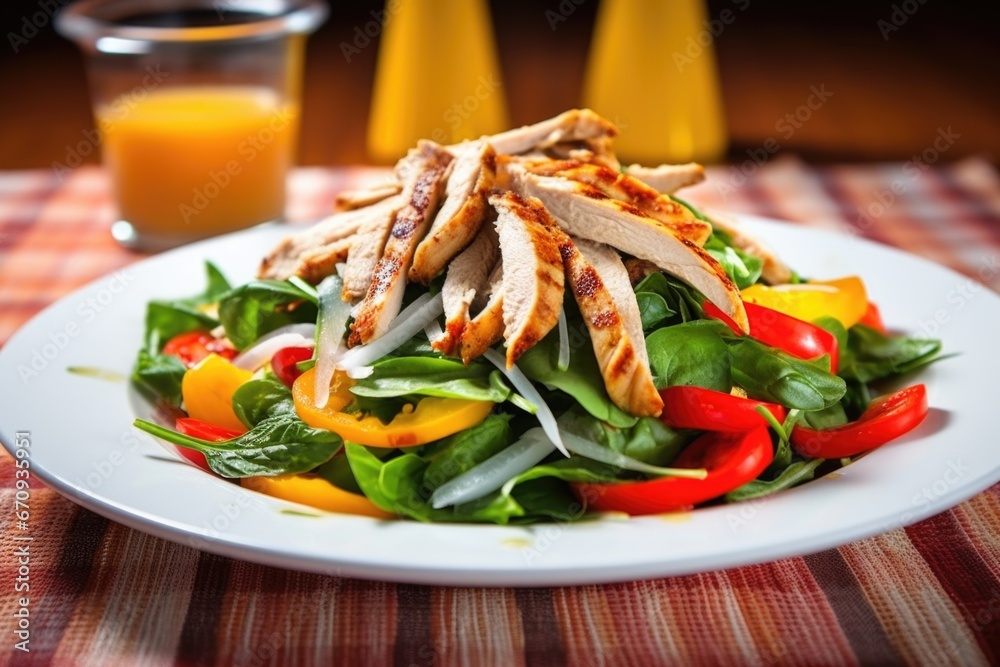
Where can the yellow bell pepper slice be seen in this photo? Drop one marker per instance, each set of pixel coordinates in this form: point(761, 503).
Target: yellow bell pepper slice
point(312, 490)
point(432, 419)
point(845, 299)
point(207, 390)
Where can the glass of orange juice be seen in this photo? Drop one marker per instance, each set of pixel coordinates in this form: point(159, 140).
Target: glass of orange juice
point(196, 105)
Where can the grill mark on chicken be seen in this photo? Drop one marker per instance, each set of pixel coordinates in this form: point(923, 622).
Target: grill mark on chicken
point(385, 295)
point(486, 329)
point(313, 253)
point(468, 283)
point(533, 280)
point(605, 319)
point(622, 226)
point(616, 342)
point(462, 214)
point(639, 198)
point(366, 248)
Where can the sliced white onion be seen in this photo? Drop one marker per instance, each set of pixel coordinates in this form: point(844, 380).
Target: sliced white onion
point(261, 352)
point(333, 314)
point(527, 390)
point(304, 329)
point(495, 471)
point(361, 372)
point(563, 363)
point(433, 331)
point(407, 324)
point(592, 450)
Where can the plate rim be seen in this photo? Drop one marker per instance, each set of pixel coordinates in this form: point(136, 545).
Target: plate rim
point(237, 547)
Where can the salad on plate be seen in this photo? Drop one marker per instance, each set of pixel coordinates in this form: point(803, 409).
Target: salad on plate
point(519, 329)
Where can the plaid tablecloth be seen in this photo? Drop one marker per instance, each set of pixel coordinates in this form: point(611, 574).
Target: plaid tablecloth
point(102, 594)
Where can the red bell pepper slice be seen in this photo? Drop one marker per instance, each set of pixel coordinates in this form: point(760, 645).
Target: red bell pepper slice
point(796, 337)
point(285, 363)
point(885, 419)
point(193, 346)
point(710, 410)
point(873, 319)
point(203, 431)
point(731, 459)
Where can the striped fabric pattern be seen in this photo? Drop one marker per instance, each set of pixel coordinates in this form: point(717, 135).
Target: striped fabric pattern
point(102, 594)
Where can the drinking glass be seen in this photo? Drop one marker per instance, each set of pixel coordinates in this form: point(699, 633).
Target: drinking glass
point(196, 106)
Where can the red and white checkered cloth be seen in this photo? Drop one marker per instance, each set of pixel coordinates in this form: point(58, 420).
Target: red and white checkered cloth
point(103, 594)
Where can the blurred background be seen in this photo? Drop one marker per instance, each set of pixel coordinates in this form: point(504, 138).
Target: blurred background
point(895, 75)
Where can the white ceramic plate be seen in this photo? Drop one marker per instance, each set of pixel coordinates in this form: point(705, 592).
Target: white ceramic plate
point(82, 443)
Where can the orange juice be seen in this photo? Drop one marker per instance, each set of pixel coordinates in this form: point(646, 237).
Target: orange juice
point(190, 162)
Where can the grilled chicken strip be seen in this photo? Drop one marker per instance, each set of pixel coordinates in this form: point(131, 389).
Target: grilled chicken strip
point(630, 190)
point(468, 277)
point(668, 178)
point(572, 125)
point(774, 271)
point(366, 248)
point(584, 211)
point(602, 290)
point(309, 253)
point(349, 200)
point(485, 329)
point(385, 295)
point(462, 212)
point(533, 281)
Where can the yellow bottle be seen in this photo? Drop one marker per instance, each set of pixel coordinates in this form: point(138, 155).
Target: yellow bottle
point(437, 77)
point(652, 71)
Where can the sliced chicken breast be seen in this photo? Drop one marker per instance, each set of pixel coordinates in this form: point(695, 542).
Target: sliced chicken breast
point(630, 190)
point(533, 281)
point(572, 125)
point(485, 329)
point(584, 211)
point(367, 246)
point(349, 200)
point(385, 294)
point(774, 272)
point(462, 212)
point(309, 253)
point(602, 290)
point(668, 178)
point(468, 277)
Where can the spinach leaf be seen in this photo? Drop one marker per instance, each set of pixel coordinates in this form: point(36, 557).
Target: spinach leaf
point(653, 310)
point(773, 375)
point(826, 418)
point(582, 380)
point(452, 456)
point(871, 355)
point(159, 376)
point(682, 302)
point(399, 485)
point(256, 400)
point(337, 471)
point(743, 269)
point(692, 353)
point(429, 376)
point(278, 445)
point(793, 475)
point(164, 320)
point(649, 440)
point(260, 306)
